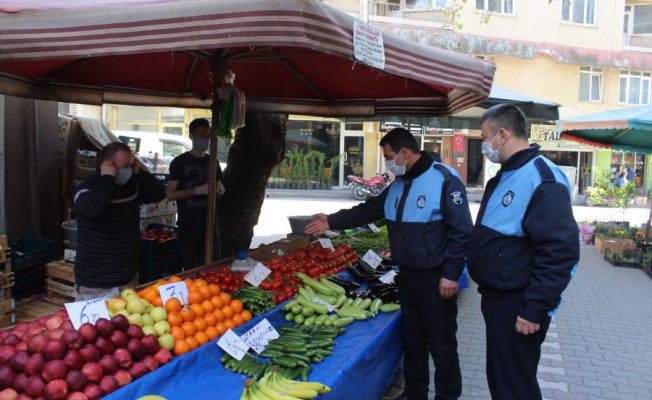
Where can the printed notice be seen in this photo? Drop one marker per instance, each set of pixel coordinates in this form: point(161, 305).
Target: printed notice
point(87, 311)
point(260, 335)
point(368, 45)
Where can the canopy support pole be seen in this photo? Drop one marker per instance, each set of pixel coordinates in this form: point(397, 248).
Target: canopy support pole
point(649, 220)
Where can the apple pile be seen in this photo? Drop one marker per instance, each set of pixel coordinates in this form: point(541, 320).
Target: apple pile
point(138, 311)
point(49, 359)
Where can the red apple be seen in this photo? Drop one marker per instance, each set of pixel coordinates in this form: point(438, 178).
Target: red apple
point(54, 350)
point(72, 339)
point(25, 396)
point(104, 327)
point(35, 385)
point(34, 328)
point(93, 372)
point(137, 370)
point(94, 392)
point(76, 381)
point(123, 357)
point(109, 364)
point(7, 375)
point(73, 359)
point(36, 342)
point(77, 396)
point(163, 356)
point(151, 343)
point(88, 332)
point(20, 327)
point(123, 377)
point(120, 322)
point(53, 322)
point(55, 334)
point(67, 325)
point(136, 348)
point(54, 369)
point(22, 346)
point(20, 382)
point(90, 353)
point(104, 345)
point(135, 332)
point(63, 314)
point(150, 362)
point(119, 339)
point(8, 394)
point(6, 353)
point(109, 384)
point(17, 362)
point(34, 364)
point(56, 390)
point(44, 319)
point(11, 340)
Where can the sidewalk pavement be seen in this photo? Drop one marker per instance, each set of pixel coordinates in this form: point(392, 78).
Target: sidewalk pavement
point(599, 345)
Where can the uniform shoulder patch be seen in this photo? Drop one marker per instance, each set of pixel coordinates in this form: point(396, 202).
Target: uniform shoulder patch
point(421, 201)
point(507, 198)
point(457, 197)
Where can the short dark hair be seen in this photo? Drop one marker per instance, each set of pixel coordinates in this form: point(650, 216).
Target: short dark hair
point(506, 116)
point(110, 150)
point(399, 138)
point(199, 122)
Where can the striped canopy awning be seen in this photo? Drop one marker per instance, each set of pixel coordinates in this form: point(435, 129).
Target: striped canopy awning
point(292, 56)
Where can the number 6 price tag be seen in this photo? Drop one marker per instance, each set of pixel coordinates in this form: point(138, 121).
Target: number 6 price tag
point(257, 274)
point(177, 289)
point(372, 259)
point(87, 311)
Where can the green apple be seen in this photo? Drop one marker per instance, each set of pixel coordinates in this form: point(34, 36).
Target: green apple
point(110, 303)
point(123, 312)
point(118, 304)
point(149, 329)
point(159, 314)
point(135, 318)
point(136, 306)
point(166, 341)
point(111, 313)
point(148, 320)
point(161, 328)
point(127, 293)
point(147, 304)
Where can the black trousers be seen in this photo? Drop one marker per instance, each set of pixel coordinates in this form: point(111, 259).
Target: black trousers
point(429, 329)
point(192, 247)
point(512, 358)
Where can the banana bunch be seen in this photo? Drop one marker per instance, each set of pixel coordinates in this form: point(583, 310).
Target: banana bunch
point(273, 386)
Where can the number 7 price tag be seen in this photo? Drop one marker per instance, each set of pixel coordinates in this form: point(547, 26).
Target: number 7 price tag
point(177, 289)
point(87, 311)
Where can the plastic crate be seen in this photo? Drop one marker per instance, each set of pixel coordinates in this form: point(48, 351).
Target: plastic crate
point(31, 251)
point(29, 282)
point(160, 268)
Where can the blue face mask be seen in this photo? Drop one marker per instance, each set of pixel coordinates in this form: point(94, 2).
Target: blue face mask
point(201, 144)
point(122, 176)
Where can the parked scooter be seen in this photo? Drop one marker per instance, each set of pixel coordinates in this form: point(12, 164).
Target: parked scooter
point(597, 196)
point(366, 188)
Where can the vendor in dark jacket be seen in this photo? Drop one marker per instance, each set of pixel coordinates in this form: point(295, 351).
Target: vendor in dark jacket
point(525, 248)
point(108, 223)
point(429, 226)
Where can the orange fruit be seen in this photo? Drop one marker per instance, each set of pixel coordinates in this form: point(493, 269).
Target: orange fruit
point(210, 318)
point(173, 304)
point(226, 299)
point(230, 324)
point(191, 287)
point(180, 347)
point(208, 306)
point(212, 332)
point(174, 279)
point(228, 311)
point(221, 328)
point(189, 329)
point(202, 338)
point(219, 315)
point(215, 288)
point(198, 309)
point(246, 315)
point(159, 283)
point(192, 342)
point(175, 318)
point(189, 282)
point(177, 333)
point(206, 291)
point(200, 324)
point(217, 302)
point(195, 297)
point(237, 318)
point(158, 302)
point(236, 305)
point(188, 314)
point(200, 283)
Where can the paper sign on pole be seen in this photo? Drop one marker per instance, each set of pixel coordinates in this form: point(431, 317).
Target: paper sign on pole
point(257, 274)
point(326, 243)
point(232, 344)
point(87, 311)
point(372, 259)
point(259, 336)
point(368, 45)
point(177, 289)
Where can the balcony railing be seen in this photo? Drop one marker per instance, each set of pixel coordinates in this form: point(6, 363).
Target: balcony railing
point(642, 43)
point(393, 9)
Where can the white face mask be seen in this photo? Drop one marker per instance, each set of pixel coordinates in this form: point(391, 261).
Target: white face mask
point(122, 176)
point(489, 152)
point(397, 170)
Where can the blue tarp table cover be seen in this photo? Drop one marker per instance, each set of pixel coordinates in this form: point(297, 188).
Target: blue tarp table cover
point(364, 363)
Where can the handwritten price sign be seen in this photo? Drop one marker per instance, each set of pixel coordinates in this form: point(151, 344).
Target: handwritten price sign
point(388, 277)
point(326, 243)
point(372, 259)
point(177, 289)
point(373, 228)
point(257, 274)
point(259, 336)
point(232, 344)
point(87, 311)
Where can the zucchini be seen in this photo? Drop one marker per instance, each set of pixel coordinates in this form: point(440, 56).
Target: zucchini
point(347, 302)
point(318, 287)
point(364, 304)
point(375, 305)
point(343, 321)
point(353, 312)
point(289, 317)
point(390, 307)
point(319, 308)
point(337, 289)
point(299, 318)
point(356, 302)
point(320, 320)
point(309, 321)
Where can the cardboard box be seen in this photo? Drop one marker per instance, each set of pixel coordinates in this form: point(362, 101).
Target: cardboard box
point(280, 248)
point(614, 244)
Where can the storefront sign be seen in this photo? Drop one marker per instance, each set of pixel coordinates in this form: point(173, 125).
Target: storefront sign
point(87, 311)
point(544, 133)
point(368, 45)
point(353, 150)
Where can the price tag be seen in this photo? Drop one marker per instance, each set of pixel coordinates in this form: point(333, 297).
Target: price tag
point(372, 259)
point(177, 289)
point(70, 255)
point(326, 243)
point(373, 228)
point(257, 274)
point(231, 343)
point(259, 336)
point(388, 277)
point(328, 305)
point(87, 311)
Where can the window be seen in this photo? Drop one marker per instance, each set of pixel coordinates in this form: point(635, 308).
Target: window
point(172, 149)
point(430, 3)
point(634, 87)
point(578, 11)
point(642, 18)
point(495, 6)
point(590, 84)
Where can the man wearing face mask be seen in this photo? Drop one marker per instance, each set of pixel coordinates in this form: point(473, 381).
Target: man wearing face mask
point(188, 185)
point(429, 226)
point(107, 208)
point(525, 248)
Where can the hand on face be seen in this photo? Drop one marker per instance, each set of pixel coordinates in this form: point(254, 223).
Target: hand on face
point(108, 168)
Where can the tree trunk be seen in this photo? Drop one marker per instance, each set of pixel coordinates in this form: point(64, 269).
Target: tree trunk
point(257, 148)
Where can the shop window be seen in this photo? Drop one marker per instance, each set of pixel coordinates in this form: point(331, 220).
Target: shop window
point(495, 6)
point(634, 88)
point(590, 84)
point(580, 12)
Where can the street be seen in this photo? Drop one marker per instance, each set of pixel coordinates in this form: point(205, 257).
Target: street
point(599, 345)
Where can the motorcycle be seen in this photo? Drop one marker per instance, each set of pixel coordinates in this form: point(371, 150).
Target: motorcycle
point(366, 188)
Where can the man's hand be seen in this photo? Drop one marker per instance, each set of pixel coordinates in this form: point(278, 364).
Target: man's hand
point(526, 327)
point(135, 164)
point(219, 189)
point(201, 189)
point(108, 168)
point(319, 225)
point(447, 288)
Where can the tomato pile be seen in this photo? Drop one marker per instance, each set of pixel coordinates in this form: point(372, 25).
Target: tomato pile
point(154, 234)
point(313, 261)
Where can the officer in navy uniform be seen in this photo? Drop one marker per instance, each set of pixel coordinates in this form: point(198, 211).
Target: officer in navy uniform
point(525, 248)
point(429, 226)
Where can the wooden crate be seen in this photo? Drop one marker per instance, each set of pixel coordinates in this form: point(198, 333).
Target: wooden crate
point(61, 270)
point(7, 304)
point(60, 282)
